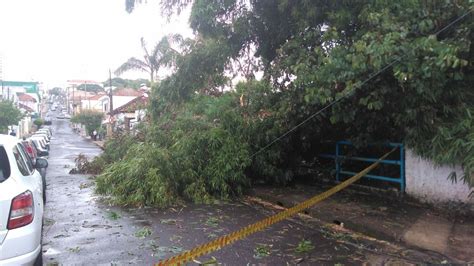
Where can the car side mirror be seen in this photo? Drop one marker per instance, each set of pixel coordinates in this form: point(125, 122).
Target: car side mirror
point(43, 153)
point(41, 163)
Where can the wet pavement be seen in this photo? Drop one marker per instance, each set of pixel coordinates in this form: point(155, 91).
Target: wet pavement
point(81, 228)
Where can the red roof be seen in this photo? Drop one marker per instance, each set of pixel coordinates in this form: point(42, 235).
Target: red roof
point(27, 108)
point(23, 97)
point(96, 97)
point(130, 107)
point(127, 92)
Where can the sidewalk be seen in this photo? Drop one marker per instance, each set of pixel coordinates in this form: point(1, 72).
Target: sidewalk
point(99, 143)
point(386, 217)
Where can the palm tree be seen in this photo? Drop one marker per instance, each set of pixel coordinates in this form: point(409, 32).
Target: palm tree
point(162, 55)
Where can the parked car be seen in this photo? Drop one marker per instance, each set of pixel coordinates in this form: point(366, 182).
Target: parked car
point(44, 144)
point(21, 205)
point(42, 171)
point(47, 129)
point(44, 132)
point(30, 149)
point(40, 147)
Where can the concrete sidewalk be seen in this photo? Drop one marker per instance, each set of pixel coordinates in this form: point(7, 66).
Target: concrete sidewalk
point(386, 217)
point(99, 143)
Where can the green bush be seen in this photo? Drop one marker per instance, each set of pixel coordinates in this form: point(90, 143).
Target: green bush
point(38, 122)
point(194, 153)
point(90, 119)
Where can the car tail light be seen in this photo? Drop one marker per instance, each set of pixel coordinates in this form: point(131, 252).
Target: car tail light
point(21, 211)
point(29, 149)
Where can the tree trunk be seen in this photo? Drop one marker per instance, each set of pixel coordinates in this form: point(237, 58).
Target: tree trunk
point(152, 75)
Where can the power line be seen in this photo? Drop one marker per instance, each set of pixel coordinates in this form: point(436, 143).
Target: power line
point(356, 87)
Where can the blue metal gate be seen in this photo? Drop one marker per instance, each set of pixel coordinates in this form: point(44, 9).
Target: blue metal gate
point(339, 156)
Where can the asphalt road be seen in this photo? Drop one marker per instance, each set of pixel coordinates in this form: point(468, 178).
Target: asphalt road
point(80, 228)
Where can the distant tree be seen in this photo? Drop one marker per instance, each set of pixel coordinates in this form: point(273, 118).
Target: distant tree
point(161, 55)
point(90, 119)
point(9, 115)
point(126, 83)
point(55, 91)
point(90, 87)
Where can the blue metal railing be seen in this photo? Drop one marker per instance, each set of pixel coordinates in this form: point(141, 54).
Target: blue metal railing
point(338, 157)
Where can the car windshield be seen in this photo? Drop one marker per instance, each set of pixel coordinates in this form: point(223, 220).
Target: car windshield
point(4, 165)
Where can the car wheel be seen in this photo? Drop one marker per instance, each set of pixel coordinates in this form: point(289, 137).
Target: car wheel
point(39, 259)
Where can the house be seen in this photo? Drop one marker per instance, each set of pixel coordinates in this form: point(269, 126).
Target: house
point(27, 102)
point(75, 98)
point(120, 97)
point(130, 113)
point(94, 102)
point(129, 109)
point(10, 88)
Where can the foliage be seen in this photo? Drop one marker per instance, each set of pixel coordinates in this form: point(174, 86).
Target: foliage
point(319, 51)
point(262, 250)
point(126, 83)
point(427, 87)
point(193, 153)
point(89, 118)
point(38, 122)
point(55, 91)
point(313, 53)
point(304, 246)
point(84, 166)
point(9, 115)
point(113, 215)
point(161, 55)
point(90, 88)
point(144, 232)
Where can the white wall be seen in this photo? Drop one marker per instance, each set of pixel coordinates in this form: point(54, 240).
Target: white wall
point(122, 100)
point(94, 105)
point(429, 182)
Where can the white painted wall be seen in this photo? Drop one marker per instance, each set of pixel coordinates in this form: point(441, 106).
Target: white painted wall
point(429, 182)
point(95, 105)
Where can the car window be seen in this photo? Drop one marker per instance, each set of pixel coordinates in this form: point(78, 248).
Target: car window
point(34, 144)
point(27, 158)
point(4, 165)
point(20, 162)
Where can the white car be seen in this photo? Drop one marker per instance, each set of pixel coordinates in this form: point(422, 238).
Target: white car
point(21, 205)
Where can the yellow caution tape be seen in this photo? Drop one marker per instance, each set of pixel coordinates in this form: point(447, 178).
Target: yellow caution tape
point(222, 241)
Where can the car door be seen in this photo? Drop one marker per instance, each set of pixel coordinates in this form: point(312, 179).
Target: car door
point(5, 188)
point(32, 176)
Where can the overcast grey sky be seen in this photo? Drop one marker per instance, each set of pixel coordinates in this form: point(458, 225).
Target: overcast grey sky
point(52, 41)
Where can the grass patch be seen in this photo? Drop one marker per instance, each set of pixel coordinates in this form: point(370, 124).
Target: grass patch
point(212, 221)
point(113, 215)
point(261, 251)
point(304, 246)
point(144, 232)
point(75, 249)
point(168, 221)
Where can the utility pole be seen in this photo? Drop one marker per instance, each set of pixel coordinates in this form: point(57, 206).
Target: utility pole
point(110, 124)
point(67, 101)
point(88, 96)
point(73, 109)
point(110, 92)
